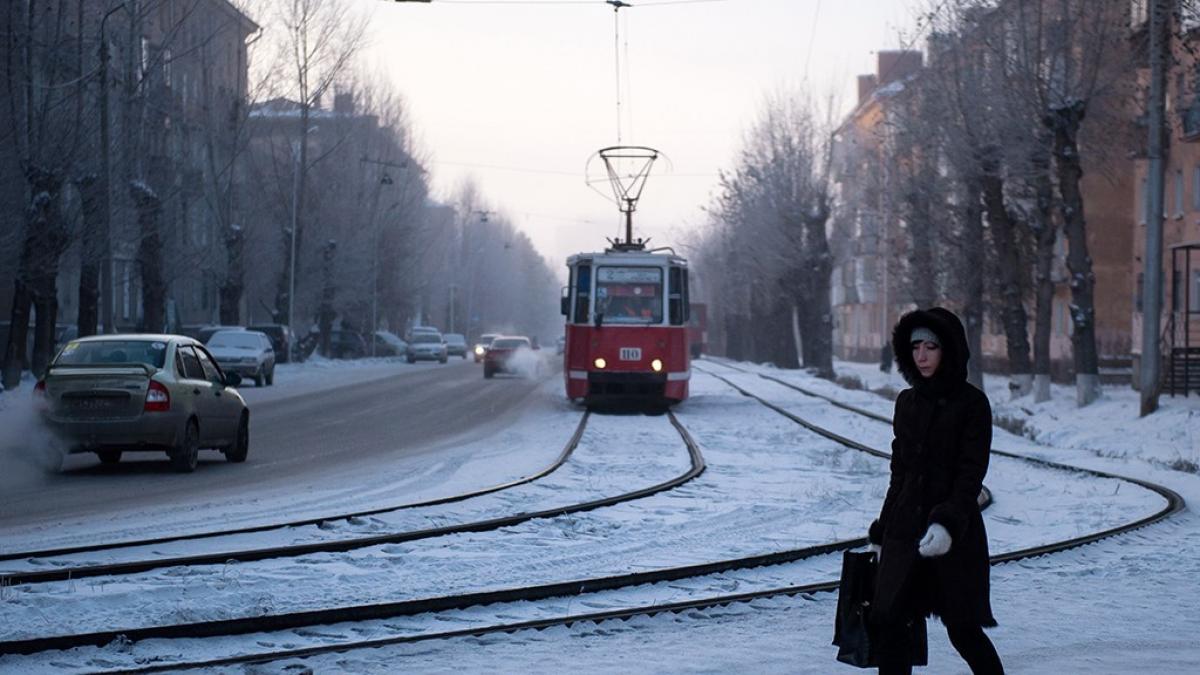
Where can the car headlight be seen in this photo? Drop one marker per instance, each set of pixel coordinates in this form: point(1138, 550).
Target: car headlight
point(600, 363)
point(479, 349)
point(656, 365)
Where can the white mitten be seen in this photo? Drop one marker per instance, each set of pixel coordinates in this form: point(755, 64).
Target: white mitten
point(935, 542)
point(877, 550)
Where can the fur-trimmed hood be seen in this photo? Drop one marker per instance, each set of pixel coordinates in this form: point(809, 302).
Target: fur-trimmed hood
point(949, 329)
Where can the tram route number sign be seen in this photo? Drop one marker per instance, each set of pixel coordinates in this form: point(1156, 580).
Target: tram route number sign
point(631, 354)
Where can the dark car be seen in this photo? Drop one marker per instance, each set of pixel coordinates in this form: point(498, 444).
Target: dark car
point(347, 344)
point(282, 339)
point(203, 333)
point(511, 354)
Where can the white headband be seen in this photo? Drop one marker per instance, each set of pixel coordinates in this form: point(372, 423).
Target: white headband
point(923, 334)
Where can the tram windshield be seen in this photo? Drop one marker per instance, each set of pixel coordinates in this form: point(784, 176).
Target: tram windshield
point(630, 295)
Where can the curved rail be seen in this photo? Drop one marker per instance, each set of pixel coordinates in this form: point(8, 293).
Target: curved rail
point(1174, 501)
point(1166, 493)
point(364, 612)
point(108, 546)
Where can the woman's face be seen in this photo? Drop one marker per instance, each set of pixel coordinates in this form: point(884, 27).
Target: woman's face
point(927, 355)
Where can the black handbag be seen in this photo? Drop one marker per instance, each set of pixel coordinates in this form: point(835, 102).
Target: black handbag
point(853, 633)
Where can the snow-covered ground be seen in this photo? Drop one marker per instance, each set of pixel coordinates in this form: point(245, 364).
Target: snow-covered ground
point(1114, 606)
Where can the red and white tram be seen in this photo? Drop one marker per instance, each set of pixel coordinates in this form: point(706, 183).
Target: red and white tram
point(626, 327)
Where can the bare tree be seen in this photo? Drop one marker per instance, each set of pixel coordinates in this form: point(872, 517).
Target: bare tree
point(317, 41)
point(770, 244)
point(1084, 61)
point(44, 85)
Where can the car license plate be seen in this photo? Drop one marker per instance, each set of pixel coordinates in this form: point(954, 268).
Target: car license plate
point(631, 354)
point(105, 403)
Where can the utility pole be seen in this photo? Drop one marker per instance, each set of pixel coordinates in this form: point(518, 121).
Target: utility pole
point(1152, 257)
point(104, 207)
point(291, 316)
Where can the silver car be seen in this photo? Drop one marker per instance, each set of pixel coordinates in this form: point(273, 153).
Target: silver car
point(115, 393)
point(426, 347)
point(248, 353)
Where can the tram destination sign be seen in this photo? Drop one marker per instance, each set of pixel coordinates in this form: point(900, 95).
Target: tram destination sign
point(629, 275)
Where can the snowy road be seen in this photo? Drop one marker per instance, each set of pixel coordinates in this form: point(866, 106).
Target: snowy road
point(332, 439)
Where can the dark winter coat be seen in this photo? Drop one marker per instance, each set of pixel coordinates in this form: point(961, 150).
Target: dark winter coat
point(943, 434)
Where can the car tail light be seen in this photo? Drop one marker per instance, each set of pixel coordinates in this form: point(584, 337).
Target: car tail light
point(39, 395)
point(158, 399)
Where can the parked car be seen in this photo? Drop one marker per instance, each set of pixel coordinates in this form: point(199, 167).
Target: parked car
point(347, 344)
point(456, 344)
point(421, 329)
point(510, 354)
point(426, 347)
point(283, 340)
point(482, 346)
point(389, 344)
point(111, 394)
point(248, 353)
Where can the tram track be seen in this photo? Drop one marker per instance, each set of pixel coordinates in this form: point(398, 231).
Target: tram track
point(355, 613)
point(317, 521)
point(1174, 503)
point(70, 572)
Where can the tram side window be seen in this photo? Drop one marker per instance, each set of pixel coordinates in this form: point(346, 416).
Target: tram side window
point(687, 297)
point(583, 290)
point(678, 302)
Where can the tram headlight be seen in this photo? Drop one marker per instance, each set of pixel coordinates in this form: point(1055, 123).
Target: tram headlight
point(600, 363)
point(656, 365)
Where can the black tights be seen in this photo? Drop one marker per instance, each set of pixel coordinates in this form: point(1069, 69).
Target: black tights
point(969, 640)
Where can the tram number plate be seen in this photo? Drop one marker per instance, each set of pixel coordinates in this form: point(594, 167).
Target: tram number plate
point(631, 354)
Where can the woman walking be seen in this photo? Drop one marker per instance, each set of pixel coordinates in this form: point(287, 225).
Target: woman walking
point(932, 546)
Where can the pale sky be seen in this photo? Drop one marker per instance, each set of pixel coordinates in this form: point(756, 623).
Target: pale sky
point(519, 94)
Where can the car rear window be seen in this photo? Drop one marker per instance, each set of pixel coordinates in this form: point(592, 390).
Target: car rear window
point(509, 343)
point(426, 337)
point(149, 352)
point(455, 338)
point(236, 340)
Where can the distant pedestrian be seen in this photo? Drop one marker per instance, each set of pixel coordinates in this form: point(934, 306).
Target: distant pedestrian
point(885, 357)
point(932, 546)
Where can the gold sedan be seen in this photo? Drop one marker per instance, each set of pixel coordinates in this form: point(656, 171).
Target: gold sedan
point(110, 394)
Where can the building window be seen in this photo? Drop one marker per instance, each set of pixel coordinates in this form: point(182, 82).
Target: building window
point(1141, 291)
point(1179, 193)
point(1196, 188)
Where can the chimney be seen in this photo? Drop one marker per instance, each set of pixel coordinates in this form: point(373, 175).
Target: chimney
point(897, 65)
point(343, 104)
point(866, 86)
